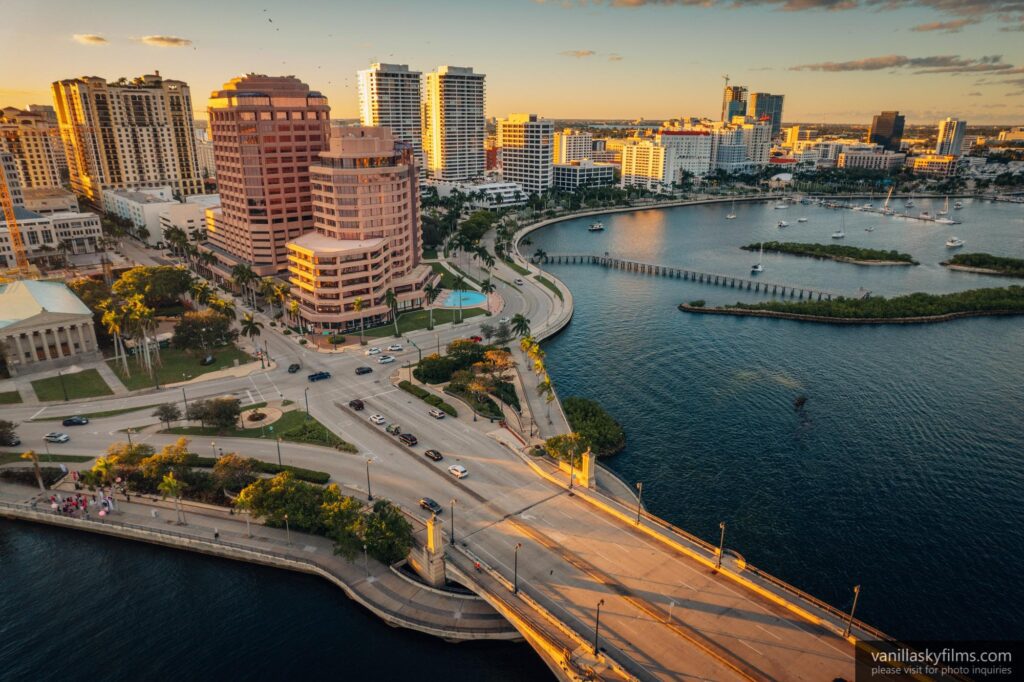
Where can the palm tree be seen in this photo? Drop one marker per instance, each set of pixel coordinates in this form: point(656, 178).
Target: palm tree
point(545, 389)
point(487, 287)
point(172, 487)
point(293, 308)
point(460, 285)
point(281, 294)
point(250, 326)
point(34, 458)
point(520, 325)
point(113, 319)
point(539, 255)
point(268, 290)
point(200, 291)
point(104, 466)
point(243, 276)
point(431, 292)
point(357, 306)
point(391, 301)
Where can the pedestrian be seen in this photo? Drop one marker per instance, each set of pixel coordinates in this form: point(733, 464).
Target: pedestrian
point(216, 534)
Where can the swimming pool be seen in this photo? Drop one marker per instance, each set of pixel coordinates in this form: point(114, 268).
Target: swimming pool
point(464, 299)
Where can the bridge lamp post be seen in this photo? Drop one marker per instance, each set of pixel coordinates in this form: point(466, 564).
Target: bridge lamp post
point(639, 497)
point(597, 625)
point(721, 544)
point(849, 621)
point(515, 568)
point(452, 534)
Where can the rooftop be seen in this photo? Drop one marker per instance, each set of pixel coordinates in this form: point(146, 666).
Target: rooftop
point(21, 213)
point(314, 241)
point(139, 197)
point(27, 298)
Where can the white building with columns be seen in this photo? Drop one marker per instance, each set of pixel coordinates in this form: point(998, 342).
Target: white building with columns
point(44, 326)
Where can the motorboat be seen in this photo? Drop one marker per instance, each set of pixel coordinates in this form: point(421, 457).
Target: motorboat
point(801, 220)
point(732, 212)
point(782, 205)
point(596, 227)
point(783, 223)
point(945, 221)
point(869, 228)
point(758, 267)
point(958, 205)
point(954, 243)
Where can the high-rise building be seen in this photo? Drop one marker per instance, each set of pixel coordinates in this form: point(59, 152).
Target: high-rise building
point(734, 102)
point(796, 134)
point(34, 141)
point(887, 130)
point(453, 124)
point(9, 167)
point(572, 145)
point(951, 137)
point(367, 237)
point(644, 165)
point(391, 96)
point(526, 151)
point(266, 132)
point(204, 152)
point(689, 152)
point(764, 105)
point(127, 134)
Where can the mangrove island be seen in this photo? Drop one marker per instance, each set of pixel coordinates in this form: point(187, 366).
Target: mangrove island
point(836, 252)
point(986, 264)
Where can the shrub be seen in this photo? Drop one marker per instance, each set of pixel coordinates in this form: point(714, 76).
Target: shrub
point(287, 332)
point(428, 398)
point(336, 338)
point(596, 426)
point(303, 342)
point(506, 393)
point(699, 303)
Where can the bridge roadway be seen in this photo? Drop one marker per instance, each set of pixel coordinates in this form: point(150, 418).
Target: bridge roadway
point(665, 614)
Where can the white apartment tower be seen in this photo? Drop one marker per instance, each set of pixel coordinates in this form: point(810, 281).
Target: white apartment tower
point(573, 145)
point(526, 151)
point(644, 165)
point(391, 96)
point(951, 137)
point(453, 124)
point(34, 140)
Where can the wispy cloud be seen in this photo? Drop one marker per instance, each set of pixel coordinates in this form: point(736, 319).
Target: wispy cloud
point(974, 94)
point(953, 26)
point(89, 39)
point(1015, 94)
point(958, 8)
point(165, 41)
point(578, 54)
point(922, 65)
point(615, 57)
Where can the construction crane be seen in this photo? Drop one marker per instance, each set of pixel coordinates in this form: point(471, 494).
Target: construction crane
point(22, 267)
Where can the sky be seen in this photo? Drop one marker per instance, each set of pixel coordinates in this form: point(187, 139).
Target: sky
point(836, 61)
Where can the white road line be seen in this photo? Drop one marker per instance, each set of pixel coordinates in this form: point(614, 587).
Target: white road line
point(769, 632)
point(41, 410)
point(761, 653)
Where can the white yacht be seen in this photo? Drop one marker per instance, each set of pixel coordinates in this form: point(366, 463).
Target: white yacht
point(783, 223)
point(758, 267)
point(869, 228)
point(958, 205)
point(954, 243)
point(732, 212)
point(801, 220)
point(945, 221)
point(596, 227)
point(945, 208)
point(782, 205)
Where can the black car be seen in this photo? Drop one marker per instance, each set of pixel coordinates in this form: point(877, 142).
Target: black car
point(10, 440)
point(207, 361)
point(76, 421)
point(319, 376)
point(434, 455)
point(407, 439)
point(363, 369)
point(294, 367)
point(356, 404)
point(430, 505)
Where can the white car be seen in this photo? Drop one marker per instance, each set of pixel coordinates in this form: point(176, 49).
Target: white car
point(520, 281)
point(395, 348)
point(56, 437)
point(377, 419)
point(436, 413)
point(385, 359)
point(373, 351)
point(504, 320)
point(458, 471)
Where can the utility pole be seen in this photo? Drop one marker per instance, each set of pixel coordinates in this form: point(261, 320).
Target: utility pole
point(721, 544)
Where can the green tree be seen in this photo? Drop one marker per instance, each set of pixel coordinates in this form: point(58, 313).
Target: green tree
point(7, 428)
point(250, 326)
point(520, 325)
point(357, 306)
point(273, 498)
point(431, 291)
point(167, 413)
point(391, 301)
point(173, 488)
point(459, 285)
point(202, 330)
point(566, 447)
point(387, 534)
point(343, 522)
point(234, 472)
point(486, 288)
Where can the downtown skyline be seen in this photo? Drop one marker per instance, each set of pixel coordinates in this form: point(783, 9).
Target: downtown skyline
point(929, 59)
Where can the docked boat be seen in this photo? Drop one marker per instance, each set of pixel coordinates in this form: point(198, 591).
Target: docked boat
point(596, 227)
point(945, 208)
point(782, 205)
point(758, 267)
point(909, 203)
point(885, 207)
point(868, 206)
point(801, 220)
point(783, 223)
point(945, 221)
point(924, 215)
point(954, 243)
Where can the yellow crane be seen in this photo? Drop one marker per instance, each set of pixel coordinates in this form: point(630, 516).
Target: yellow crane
point(22, 268)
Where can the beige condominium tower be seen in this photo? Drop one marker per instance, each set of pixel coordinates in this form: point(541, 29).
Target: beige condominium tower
point(390, 96)
point(453, 124)
point(34, 140)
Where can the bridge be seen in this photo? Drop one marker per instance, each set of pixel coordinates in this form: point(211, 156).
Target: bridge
point(712, 278)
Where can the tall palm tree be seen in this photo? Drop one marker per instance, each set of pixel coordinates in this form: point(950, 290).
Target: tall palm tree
point(391, 301)
point(539, 255)
point(200, 291)
point(547, 391)
point(281, 294)
point(293, 308)
point(460, 285)
point(357, 306)
point(34, 458)
point(520, 324)
point(172, 487)
point(268, 289)
point(431, 292)
point(113, 318)
point(250, 326)
point(243, 276)
point(486, 288)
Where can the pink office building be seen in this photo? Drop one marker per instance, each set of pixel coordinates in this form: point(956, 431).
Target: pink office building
point(266, 132)
point(367, 233)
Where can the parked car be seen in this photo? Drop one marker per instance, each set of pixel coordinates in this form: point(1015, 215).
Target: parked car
point(377, 419)
point(504, 320)
point(395, 348)
point(520, 281)
point(434, 455)
point(476, 339)
point(207, 361)
point(294, 367)
point(373, 351)
point(430, 505)
point(76, 421)
point(56, 437)
point(319, 376)
point(385, 359)
point(458, 471)
point(10, 440)
point(407, 439)
point(436, 413)
point(356, 404)
point(363, 369)
point(393, 429)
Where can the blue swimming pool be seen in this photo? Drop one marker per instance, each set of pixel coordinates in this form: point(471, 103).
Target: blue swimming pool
point(464, 299)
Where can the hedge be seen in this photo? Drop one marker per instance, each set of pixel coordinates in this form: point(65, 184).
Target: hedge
point(428, 397)
point(308, 475)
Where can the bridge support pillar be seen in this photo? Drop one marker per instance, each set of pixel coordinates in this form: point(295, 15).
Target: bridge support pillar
point(588, 470)
point(428, 561)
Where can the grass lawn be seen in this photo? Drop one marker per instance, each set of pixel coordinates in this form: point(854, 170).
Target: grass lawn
point(86, 384)
point(419, 319)
point(174, 363)
point(10, 398)
point(549, 284)
point(465, 274)
point(9, 457)
point(447, 278)
point(96, 415)
point(292, 426)
point(429, 254)
point(517, 267)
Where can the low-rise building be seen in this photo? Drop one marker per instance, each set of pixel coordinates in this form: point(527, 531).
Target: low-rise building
point(871, 160)
point(933, 164)
point(585, 173)
point(44, 326)
point(189, 217)
point(49, 200)
point(1012, 135)
point(142, 207)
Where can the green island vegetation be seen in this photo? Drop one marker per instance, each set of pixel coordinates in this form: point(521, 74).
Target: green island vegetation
point(428, 397)
point(1000, 300)
point(599, 429)
point(474, 372)
point(836, 252)
point(1011, 267)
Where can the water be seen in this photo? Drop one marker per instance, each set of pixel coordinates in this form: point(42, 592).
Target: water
point(464, 299)
point(903, 472)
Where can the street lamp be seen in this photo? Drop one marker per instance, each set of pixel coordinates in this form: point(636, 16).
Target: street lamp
point(129, 432)
point(306, 393)
point(515, 568)
point(721, 544)
point(849, 622)
point(597, 625)
point(366, 562)
point(452, 534)
point(185, 398)
point(369, 490)
point(279, 451)
point(639, 497)
point(287, 530)
point(63, 386)
point(213, 448)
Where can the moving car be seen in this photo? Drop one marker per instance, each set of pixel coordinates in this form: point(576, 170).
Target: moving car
point(10, 440)
point(76, 421)
point(293, 368)
point(385, 359)
point(520, 281)
point(430, 505)
point(363, 369)
point(393, 429)
point(458, 471)
point(436, 413)
point(395, 348)
point(407, 439)
point(319, 376)
point(377, 419)
point(207, 361)
point(373, 351)
point(434, 455)
point(56, 437)
point(504, 320)
point(356, 404)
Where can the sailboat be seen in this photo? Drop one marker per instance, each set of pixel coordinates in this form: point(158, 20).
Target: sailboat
point(945, 208)
point(732, 212)
point(885, 207)
point(869, 228)
point(841, 232)
point(758, 267)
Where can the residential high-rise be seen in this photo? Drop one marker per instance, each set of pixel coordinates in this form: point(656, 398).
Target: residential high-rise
point(453, 124)
point(644, 165)
point(391, 96)
point(127, 134)
point(887, 130)
point(367, 236)
point(266, 132)
point(526, 151)
point(764, 105)
point(35, 143)
point(734, 102)
point(689, 152)
point(9, 167)
point(572, 145)
point(204, 152)
point(951, 137)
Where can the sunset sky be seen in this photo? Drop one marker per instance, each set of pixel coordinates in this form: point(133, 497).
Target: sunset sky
point(835, 60)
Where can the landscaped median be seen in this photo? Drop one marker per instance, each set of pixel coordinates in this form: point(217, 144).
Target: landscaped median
point(428, 397)
point(294, 426)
